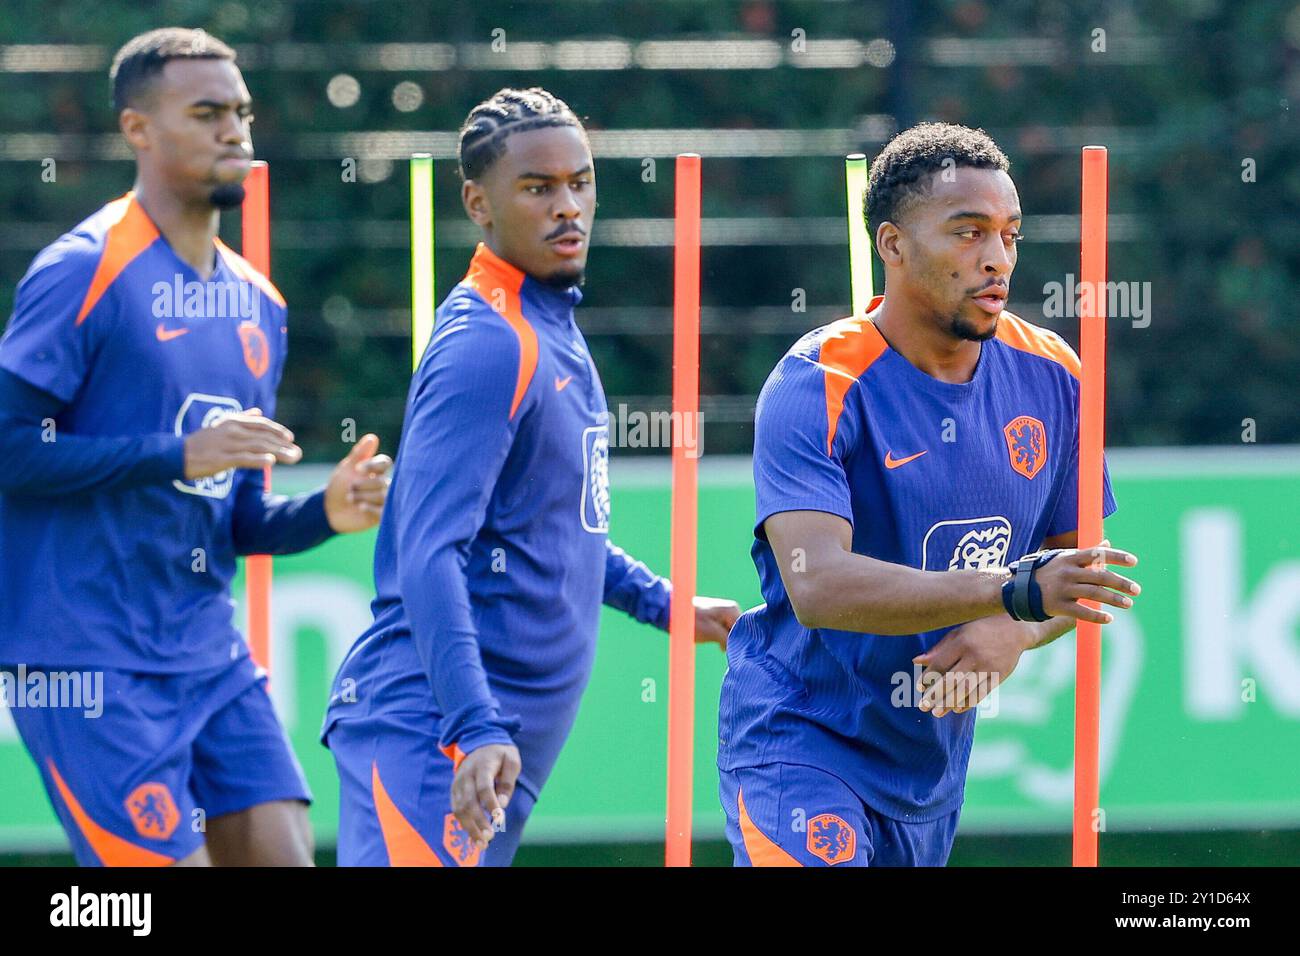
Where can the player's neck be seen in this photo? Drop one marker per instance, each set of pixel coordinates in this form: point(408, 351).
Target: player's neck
point(188, 228)
point(914, 335)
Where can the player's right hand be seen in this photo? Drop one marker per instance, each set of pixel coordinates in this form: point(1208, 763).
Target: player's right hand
point(482, 787)
point(1080, 573)
point(242, 440)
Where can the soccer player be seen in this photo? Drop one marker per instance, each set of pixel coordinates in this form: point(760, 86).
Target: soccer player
point(137, 393)
point(493, 555)
point(900, 458)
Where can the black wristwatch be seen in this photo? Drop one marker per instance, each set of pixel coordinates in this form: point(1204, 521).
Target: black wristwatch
point(1021, 595)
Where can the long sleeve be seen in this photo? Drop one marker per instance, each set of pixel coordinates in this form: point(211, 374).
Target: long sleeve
point(460, 424)
point(276, 524)
point(632, 587)
point(48, 462)
point(45, 355)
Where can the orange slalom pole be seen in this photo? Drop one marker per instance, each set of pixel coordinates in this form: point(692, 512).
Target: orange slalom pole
point(1092, 426)
point(256, 247)
point(686, 402)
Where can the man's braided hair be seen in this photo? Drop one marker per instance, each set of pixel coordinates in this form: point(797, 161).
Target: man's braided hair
point(483, 137)
point(901, 173)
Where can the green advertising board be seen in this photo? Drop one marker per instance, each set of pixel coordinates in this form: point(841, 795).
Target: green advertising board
point(1201, 681)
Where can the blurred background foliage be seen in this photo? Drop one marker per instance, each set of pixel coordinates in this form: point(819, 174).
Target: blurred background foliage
point(1184, 94)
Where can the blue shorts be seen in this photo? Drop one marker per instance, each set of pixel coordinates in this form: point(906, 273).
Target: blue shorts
point(395, 798)
point(136, 783)
point(785, 814)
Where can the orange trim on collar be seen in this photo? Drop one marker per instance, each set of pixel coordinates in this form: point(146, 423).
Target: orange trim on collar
point(498, 282)
point(131, 233)
point(488, 262)
point(1036, 340)
point(849, 347)
point(248, 272)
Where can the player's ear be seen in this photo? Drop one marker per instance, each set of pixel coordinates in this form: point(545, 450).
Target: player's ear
point(888, 244)
point(475, 201)
point(132, 124)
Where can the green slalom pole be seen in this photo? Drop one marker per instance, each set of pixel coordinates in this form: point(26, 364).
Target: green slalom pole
point(855, 175)
point(421, 254)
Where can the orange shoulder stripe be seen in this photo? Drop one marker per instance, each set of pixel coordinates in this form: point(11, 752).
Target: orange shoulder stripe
point(405, 845)
point(850, 346)
point(761, 849)
point(244, 269)
point(111, 849)
point(131, 233)
point(1022, 335)
point(499, 283)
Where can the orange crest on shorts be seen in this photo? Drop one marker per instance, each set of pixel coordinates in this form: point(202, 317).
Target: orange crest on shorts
point(153, 811)
point(457, 842)
point(1026, 444)
point(831, 839)
point(257, 351)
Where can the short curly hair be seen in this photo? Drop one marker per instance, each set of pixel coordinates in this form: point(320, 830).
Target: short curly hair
point(900, 175)
point(484, 133)
point(138, 63)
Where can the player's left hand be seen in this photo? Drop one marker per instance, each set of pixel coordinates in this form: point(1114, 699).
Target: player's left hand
point(355, 495)
point(714, 618)
point(971, 660)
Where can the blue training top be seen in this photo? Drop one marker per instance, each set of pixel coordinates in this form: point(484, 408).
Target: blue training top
point(493, 555)
point(108, 556)
point(931, 475)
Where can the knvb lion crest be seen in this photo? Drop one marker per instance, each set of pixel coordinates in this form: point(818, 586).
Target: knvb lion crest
point(1027, 445)
point(831, 839)
point(153, 811)
point(457, 842)
point(257, 351)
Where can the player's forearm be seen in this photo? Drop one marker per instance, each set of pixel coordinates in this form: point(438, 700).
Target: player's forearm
point(471, 716)
point(433, 534)
point(634, 589)
point(446, 641)
point(852, 592)
point(43, 460)
point(435, 595)
point(1050, 630)
point(277, 524)
point(75, 464)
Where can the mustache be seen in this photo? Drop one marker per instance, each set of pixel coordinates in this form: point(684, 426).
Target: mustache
point(564, 231)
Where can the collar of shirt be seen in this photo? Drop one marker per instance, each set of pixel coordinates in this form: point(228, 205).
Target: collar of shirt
point(552, 302)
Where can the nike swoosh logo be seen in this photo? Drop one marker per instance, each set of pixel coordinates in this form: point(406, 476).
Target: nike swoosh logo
point(166, 335)
point(892, 462)
point(561, 382)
